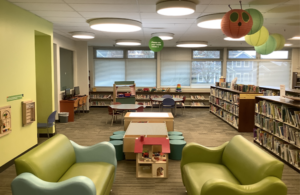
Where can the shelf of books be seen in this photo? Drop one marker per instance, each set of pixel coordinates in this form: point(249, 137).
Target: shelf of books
point(277, 128)
point(275, 91)
point(235, 107)
point(193, 99)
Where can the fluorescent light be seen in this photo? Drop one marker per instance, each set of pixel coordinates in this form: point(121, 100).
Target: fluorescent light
point(128, 42)
point(212, 21)
point(295, 38)
point(163, 36)
point(115, 24)
point(190, 44)
point(232, 39)
point(82, 35)
point(288, 44)
point(175, 8)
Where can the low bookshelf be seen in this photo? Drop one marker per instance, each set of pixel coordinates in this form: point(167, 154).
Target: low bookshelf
point(275, 91)
point(234, 107)
point(193, 99)
point(277, 128)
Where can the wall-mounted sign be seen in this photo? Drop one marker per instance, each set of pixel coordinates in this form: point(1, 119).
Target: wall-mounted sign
point(14, 97)
point(156, 44)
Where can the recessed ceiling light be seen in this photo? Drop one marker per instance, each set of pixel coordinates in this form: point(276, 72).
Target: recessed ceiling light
point(115, 24)
point(128, 42)
point(232, 39)
point(212, 21)
point(175, 8)
point(191, 44)
point(295, 38)
point(82, 35)
point(288, 44)
point(163, 36)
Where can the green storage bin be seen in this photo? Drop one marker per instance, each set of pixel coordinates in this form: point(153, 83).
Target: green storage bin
point(176, 147)
point(119, 149)
point(116, 137)
point(119, 132)
point(174, 137)
point(175, 133)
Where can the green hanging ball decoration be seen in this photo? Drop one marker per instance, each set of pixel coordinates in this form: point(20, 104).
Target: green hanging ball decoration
point(268, 47)
point(280, 40)
point(258, 20)
point(259, 38)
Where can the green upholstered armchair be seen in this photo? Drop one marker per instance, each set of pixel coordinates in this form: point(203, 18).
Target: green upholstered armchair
point(237, 167)
point(61, 167)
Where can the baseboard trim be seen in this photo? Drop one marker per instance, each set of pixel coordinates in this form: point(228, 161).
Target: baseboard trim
point(12, 161)
point(46, 135)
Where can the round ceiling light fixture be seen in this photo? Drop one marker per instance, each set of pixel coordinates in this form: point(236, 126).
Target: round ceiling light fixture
point(232, 39)
point(82, 35)
point(175, 8)
point(211, 21)
point(128, 42)
point(288, 44)
point(163, 36)
point(115, 24)
point(191, 44)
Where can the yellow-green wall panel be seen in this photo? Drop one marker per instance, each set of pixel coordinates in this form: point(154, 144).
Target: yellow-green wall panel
point(17, 67)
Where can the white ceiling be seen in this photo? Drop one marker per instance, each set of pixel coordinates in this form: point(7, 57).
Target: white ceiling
point(281, 16)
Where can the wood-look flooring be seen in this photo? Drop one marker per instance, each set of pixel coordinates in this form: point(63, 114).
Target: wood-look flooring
point(197, 125)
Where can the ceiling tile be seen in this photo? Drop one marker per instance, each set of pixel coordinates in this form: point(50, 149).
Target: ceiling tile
point(37, 1)
point(134, 16)
point(103, 1)
point(154, 15)
point(74, 24)
point(44, 6)
point(104, 8)
point(61, 19)
point(147, 8)
point(57, 14)
point(170, 21)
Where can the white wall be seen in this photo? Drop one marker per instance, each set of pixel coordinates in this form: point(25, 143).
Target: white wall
point(80, 51)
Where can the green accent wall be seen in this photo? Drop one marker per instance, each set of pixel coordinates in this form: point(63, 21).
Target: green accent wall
point(18, 73)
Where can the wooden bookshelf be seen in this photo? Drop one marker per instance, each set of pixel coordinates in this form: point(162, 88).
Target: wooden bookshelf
point(245, 106)
point(282, 101)
point(190, 98)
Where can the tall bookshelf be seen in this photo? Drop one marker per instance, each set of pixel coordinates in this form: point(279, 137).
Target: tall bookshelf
point(277, 132)
point(193, 99)
point(234, 107)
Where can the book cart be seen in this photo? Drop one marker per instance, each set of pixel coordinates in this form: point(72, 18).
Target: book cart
point(277, 128)
point(124, 100)
point(234, 107)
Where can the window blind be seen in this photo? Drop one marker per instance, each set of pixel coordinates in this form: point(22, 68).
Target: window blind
point(175, 72)
point(245, 71)
point(142, 72)
point(274, 73)
point(109, 71)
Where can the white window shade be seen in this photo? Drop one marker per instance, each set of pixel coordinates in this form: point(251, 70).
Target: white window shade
point(109, 71)
point(246, 74)
point(274, 73)
point(142, 72)
point(175, 72)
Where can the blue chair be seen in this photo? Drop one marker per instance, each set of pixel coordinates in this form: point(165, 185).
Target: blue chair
point(167, 96)
point(50, 122)
point(168, 103)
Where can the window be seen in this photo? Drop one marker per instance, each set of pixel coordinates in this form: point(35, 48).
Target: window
point(201, 54)
point(205, 73)
point(238, 64)
point(247, 64)
point(109, 53)
point(66, 69)
point(274, 73)
point(141, 54)
point(142, 72)
point(175, 72)
point(109, 71)
point(277, 55)
point(243, 73)
point(241, 54)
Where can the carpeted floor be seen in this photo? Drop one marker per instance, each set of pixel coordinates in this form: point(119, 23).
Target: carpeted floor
point(197, 125)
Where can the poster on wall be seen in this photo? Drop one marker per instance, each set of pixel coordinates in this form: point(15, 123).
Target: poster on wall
point(156, 44)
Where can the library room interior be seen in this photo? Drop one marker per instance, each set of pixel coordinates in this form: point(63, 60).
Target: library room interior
point(150, 97)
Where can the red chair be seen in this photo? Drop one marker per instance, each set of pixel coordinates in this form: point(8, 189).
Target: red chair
point(113, 114)
point(140, 109)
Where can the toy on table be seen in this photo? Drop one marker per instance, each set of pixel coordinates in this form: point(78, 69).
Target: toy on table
point(120, 95)
point(140, 90)
point(163, 89)
point(153, 89)
point(178, 88)
point(146, 89)
point(168, 90)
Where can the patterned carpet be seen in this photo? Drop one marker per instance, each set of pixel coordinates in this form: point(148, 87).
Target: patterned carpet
point(197, 125)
